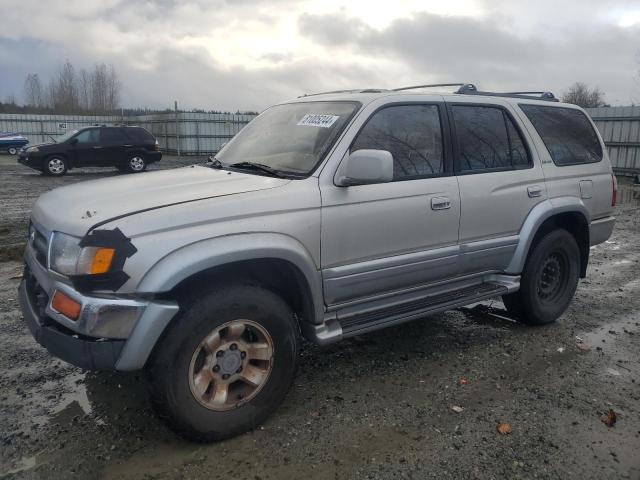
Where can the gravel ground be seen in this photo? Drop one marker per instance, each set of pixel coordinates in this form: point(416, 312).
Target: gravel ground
point(376, 406)
point(21, 186)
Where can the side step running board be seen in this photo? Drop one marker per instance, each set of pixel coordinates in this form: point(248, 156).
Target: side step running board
point(374, 320)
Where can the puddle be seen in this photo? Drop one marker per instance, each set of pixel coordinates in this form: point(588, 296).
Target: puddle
point(608, 245)
point(620, 262)
point(24, 464)
point(72, 403)
point(606, 335)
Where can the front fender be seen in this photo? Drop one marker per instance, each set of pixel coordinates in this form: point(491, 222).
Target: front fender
point(213, 252)
point(536, 217)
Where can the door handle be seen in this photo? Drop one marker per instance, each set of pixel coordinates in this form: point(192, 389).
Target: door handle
point(440, 203)
point(127, 145)
point(534, 191)
point(97, 147)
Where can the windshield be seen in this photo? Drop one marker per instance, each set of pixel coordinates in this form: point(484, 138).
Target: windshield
point(66, 136)
point(289, 138)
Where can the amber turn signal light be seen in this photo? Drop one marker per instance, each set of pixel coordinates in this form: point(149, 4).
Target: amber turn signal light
point(102, 259)
point(65, 305)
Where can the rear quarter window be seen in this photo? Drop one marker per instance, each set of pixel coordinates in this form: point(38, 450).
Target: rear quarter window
point(139, 135)
point(567, 134)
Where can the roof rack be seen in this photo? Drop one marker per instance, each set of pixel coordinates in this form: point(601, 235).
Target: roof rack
point(463, 89)
point(353, 90)
point(430, 86)
point(332, 91)
point(470, 89)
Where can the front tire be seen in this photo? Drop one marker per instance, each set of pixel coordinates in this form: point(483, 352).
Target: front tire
point(55, 166)
point(13, 151)
point(549, 280)
point(226, 364)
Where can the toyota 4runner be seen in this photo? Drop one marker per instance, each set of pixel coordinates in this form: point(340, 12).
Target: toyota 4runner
point(326, 217)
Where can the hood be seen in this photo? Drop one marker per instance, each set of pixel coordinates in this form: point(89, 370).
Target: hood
point(74, 209)
point(44, 145)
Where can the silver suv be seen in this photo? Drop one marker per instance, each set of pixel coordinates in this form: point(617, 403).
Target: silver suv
point(326, 217)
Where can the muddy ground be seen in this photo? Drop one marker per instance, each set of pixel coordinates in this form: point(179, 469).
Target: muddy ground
point(377, 406)
point(21, 186)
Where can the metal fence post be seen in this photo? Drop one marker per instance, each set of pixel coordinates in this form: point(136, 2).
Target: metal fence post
point(197, 122)
point(175, 105)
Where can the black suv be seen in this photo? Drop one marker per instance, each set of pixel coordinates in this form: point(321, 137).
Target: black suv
point(129, 149)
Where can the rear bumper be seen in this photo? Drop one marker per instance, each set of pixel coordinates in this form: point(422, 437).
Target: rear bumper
point(153, 157)
point(600, 230)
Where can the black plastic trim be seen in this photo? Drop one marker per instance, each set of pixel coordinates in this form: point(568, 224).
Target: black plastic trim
point(115, 277)
point(423, 306)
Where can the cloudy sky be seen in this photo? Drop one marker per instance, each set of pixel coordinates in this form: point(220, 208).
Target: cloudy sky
point(247, 54)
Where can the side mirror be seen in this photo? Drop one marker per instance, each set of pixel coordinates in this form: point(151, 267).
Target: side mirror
point(73, 141)
point(364, 167)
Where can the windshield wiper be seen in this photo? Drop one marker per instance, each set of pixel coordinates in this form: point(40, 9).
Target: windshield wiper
point(257, 166)
point(213, 162)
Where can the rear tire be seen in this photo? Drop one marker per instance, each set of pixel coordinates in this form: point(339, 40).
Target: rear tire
point(13, 151)
point(204, 345)
point(136, 164)
point(55, 166)
point(549, 280)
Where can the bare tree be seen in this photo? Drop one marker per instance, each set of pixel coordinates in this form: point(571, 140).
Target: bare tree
point(99, 87)
point(580, 94)
point(96, 91)
point(66, 89)
point(33, 92)
point(50, 94)
point(84, 90)
point(10, 99)
point(113, 89)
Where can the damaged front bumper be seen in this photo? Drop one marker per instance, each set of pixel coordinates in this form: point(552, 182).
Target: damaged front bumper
point(109, 333)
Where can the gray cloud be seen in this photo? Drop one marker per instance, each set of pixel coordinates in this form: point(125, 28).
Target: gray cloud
point(333, 29)
point(439, 48)
point(160, 48)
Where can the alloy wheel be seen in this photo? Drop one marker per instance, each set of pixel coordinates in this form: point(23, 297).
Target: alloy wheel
point(231, 365)
point(136, 164)
point(56, 166)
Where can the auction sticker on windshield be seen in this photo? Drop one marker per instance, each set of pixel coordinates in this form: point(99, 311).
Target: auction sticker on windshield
point(318, 120)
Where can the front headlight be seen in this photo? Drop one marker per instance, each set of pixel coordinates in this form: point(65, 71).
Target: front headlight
point(69, 258)
point(32, 149)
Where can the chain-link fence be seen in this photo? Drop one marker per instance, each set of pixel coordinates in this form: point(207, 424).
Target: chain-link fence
point(177, 132)
point(620, 130)
point(203, 133)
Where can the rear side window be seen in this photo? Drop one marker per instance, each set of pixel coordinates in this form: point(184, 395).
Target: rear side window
point(567, 134)
point(139, 135)
point(413, 135)
point(88, 136)
point(112, 135)
point(487, 140)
